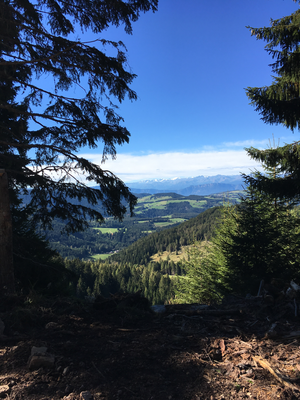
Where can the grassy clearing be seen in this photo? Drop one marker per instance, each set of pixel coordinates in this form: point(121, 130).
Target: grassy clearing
point(153, 199)
point(107, 230)
point(159, 205)
point(161, 224)
point(197, 203)
point(162, 204)
point(182, 254)
point(100, 256)
point(171, 221)
point(177, 220)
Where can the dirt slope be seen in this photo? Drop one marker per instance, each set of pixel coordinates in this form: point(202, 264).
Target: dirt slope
point(119, 350)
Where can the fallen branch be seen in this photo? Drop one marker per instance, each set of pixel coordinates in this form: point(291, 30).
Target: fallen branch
point(215, 313)
point(99, 371)
point(282, 379)
point(293, 334)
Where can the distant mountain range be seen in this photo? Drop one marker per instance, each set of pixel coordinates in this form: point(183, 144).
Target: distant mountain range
point(200, 185)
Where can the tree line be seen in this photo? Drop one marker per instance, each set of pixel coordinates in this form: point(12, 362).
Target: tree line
point(106, 279)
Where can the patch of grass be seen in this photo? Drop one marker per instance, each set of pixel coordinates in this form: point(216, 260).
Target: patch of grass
point(177, 220)
point(182, 254)
point(107, 230)
point(172, 256)
point(171, 221)
point(100, 256)
point(161, 205)
point(160, 224)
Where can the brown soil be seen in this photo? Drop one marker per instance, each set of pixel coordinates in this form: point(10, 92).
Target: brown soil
point(119, 350)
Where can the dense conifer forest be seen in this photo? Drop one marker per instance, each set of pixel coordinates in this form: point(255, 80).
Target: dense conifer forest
point(132, 269)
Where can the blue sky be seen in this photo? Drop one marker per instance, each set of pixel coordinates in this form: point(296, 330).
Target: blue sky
point(194, 59)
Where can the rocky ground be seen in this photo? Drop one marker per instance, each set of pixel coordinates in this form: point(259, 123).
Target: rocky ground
point(118, 349)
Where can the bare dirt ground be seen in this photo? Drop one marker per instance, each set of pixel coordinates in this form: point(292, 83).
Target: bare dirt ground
point(244, 349)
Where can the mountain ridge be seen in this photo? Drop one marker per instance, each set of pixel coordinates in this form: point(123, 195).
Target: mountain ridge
point(199, 185)
point(201, 190)
point(181, 183)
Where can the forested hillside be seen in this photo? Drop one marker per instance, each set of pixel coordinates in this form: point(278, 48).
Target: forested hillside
point(172, 239)
point(132, 269)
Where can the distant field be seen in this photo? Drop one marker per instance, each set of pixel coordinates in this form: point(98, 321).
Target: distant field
point(177, 220)
point(162, 203)
point(159, 205)
point(107, 230)
point(161, 224)
point(171, 221)
point(100, 256)
point(154, 199)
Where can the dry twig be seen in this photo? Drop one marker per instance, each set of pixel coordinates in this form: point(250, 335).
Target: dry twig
point(283, 380)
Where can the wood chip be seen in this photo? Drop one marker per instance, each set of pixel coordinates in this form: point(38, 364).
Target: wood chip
point(222, 346)
point(283, 380)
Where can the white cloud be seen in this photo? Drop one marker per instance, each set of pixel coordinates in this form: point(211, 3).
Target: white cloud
point(168, 165)
point(261, 144)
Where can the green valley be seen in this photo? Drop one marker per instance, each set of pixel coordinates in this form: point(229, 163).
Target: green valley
point(153, 214)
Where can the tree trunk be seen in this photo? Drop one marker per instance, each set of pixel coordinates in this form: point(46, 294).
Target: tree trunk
point(7, 281)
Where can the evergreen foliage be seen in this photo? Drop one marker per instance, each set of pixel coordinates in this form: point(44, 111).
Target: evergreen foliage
point(279, 103)
point(286, 183)
point(36, 266)
point(202, 282)
point(263, 242)
point(43, 126)
point(105, 279)
point(255, 240)
point(42, 129)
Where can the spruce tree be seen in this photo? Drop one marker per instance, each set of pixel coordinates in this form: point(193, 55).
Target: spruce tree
point(203, 278)
point(257, 239)
point(279, 103)
point(42, 129)
point(264, 243)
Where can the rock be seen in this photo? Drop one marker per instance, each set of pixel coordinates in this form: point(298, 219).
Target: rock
point(4, 389)
point(39, 358)
point(294, 286)
point(66, 370)
point(37, 351)
point(71, 396)
point(158, 308)
point(86, 396)
point(2, 327)
point(68, 389)
point(36, 362)
point(51, 325)
point(249, 372)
